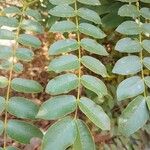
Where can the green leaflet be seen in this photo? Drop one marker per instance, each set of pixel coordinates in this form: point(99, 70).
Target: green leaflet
point(22, 132)
point(129, 28)
point(145, 12)
point(146, 62)
point(130, 87)
point(84, 138)
point(134, 116)
point(62, 84)
point(5, 52)
point(64, 63)
point(3, 82)
point(65, 130)
point(95, 113)
point(94, 84)
point(18, 68)
point(89, 14)
point(63, 46)
point(24, 54)
point(128, 11)
point(128, 65)
point(94, 65)
point(90, 2)
point(22, 108)
point(26, 85)
point(91, 30)
point(145, 1)
point(63, 26)
point(148, 102)
point(6, 34)
point(63, 10)
point(61, 2)
point(146, 28)
point(12, 10)
point(146, 45)
point(31, 25)
point(127, 45)
point(57, 107)
point(2, 104)
point(29, 40)
point(33, 13)
point(93, 47)
point(10, 22)
point(128, 0)
point(5, 65)
point(147, 81)
point(1, 127)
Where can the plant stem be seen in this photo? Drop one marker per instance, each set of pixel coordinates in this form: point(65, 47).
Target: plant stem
point(10, 78)
point(141, 53)
point(79, 57)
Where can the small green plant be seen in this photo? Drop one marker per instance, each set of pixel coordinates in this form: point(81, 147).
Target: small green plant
point(81, 104)
point(72, 131)
point(136, 114)
point(13, 29)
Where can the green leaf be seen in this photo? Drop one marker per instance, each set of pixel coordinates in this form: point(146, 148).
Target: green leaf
point(146, 28)
point(91, 30)
point(94, 84)
point(145, 12)
point(11, 148)
point(145, 1)
point(94, 65)
point(128, 65)
point(130, 87)
point(134, 116)
point(6, 65)
point(61, 2)
point(22, 108)
point(7, 21)
point(84, 138)
point(24, 54)
point(63, 26)
point(127, 45)
point(63, 46)
point(31, 25)
point(128, 0)
point(29, 40)
point(2, 104)
point(26, 85)
point(90, 2)
point(95, 113)
point(64, 63)
point(60, 135)
point(129, 28)
point(1, 127)
point(22, 132)
point(89, 14)
point(62, 11)
point(18, 68)
point(3, 82)
point(146, 62)
point(62, 84)
point(6, 34)
point(128, 11)
point(148, 102)
point(147, 81)
point(93, 47)
point(5, 52)
point(33, 13)
point(12, 10)
point(146, 45)
point(57, 107)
